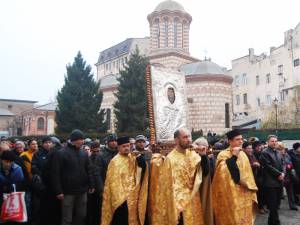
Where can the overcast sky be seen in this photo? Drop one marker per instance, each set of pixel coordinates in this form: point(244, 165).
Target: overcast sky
point(39, 37)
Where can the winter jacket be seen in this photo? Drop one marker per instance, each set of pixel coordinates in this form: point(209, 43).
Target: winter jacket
point(71, 171)
point(272, 163)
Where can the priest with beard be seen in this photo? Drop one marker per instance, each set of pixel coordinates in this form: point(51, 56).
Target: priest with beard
point(126, 188)
point(233, 187)
point(179, 193)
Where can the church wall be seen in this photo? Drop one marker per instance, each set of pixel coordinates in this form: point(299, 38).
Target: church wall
point(206, 105)
point(171, 61)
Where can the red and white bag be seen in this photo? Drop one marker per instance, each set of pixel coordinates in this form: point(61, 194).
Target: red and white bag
point(13, 208)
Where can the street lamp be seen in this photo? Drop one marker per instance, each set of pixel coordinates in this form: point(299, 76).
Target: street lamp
point(276, 113)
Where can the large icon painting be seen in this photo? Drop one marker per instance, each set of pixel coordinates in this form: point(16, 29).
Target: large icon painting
point(169, 102)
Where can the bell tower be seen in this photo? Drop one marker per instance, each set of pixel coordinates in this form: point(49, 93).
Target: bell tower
point(169, 35)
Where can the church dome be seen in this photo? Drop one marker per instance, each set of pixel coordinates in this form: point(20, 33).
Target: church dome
point(170, 6)
point(203, 68)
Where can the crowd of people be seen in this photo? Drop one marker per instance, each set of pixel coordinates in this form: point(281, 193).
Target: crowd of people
point(81, 182)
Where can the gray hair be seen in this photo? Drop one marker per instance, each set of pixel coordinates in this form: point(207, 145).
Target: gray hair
point(20, 143)
point(271, 136)
point(201, 142)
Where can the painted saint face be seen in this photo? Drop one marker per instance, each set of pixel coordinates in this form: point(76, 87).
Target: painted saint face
point(171, 95)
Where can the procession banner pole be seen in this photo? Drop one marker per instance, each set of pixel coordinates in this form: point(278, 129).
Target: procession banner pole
point(150, 105)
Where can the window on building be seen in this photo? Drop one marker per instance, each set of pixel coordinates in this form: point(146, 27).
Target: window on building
point(227, 116)
point(108, 119)
point(245, 98)
point(182, 33)
point(118, 64)
point(126, 59)
point(269, 99)
point(190, 100)
point(157, 32)
point(280, 69)
point(257, 80)
point(114, 64)
point(237, 80)
point(237, 99)
point(282, 96)
point(175, 31)
point(166, 24)
point(268, 78)
point(244, 79)
point(40, 123)
point(296, 62)
point(258, 102)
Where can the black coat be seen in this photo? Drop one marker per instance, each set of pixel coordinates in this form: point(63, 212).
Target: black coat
point(39, 165)
point(71, 171)
point(102, 161)
point(272, 163)
point(295, 158)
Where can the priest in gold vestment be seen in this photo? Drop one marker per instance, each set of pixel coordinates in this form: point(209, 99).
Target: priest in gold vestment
point(233, 187)
point(126, 188)
point(175, 196)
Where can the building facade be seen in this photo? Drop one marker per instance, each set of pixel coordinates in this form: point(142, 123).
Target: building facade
point(208, 85)
point(38, 121)
point(110, 62)
point(266, 86)
point(9, 109)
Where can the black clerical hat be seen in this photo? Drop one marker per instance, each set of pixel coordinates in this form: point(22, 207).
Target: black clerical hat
point(123, 140)
point(232, 134)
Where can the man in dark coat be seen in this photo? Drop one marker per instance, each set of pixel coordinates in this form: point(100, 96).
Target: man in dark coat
point(272, 164)
point(72, 177)
point(106, 155)
point(101, 161)
point(94, 199)
point(261, 195)
point(295, 157)
point(43, 196)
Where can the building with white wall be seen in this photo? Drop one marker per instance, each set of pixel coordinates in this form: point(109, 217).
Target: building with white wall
point(266, 83)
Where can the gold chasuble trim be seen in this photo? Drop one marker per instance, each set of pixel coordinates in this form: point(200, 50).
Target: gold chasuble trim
point(175, 189)
point(123, 183)
point(234, 204)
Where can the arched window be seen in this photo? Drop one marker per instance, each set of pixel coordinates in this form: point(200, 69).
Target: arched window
point(166, 25)
point(227, 117)
point(156, 22)
point(108, 119)
point(182, 33)
point(41, 123)
point(175, 31)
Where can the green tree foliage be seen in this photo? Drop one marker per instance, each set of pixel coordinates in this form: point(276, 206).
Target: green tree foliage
point(79, 100)
point(131, 105)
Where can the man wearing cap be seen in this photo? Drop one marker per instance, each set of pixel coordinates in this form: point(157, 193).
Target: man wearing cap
point(179, 198)
point(125, 192)
point(101, 162)
point(140, 144)
point(233, 187)
point(10, 173)
point(72, 177)
point(106, 155)
point(41, 183)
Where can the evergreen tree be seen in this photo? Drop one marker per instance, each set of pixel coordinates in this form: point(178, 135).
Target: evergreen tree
point(131, 105)
point(79, 100)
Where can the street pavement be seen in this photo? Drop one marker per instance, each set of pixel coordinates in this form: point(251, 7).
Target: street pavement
point(287, 216)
